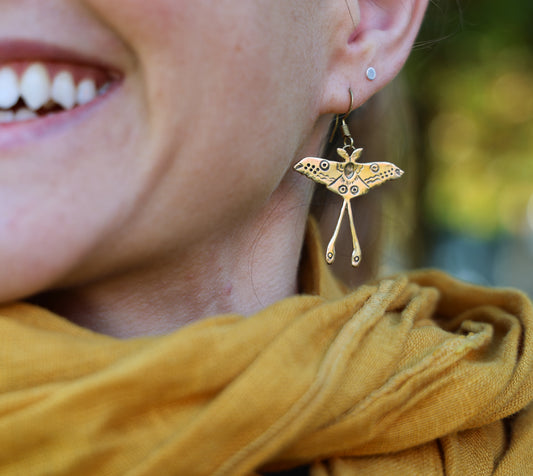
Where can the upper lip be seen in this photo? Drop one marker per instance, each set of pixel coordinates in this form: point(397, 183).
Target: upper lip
point(20, 50)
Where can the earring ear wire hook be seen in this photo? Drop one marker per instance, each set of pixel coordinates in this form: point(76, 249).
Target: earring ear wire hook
point(342, 118)
point(350, 109)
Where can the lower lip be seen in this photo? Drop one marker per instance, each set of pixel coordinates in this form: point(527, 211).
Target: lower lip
point(18, 134)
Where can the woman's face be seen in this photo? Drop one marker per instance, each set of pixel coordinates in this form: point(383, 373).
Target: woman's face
point(192, 112)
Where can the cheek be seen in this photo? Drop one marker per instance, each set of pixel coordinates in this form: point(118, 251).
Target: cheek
point(226, 85)
point(207, 125)
point(59, 196)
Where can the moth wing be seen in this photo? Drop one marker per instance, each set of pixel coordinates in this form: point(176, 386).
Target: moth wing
point(376, 173)
point(320, 170)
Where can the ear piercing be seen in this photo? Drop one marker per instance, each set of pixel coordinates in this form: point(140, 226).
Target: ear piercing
point(371, 74)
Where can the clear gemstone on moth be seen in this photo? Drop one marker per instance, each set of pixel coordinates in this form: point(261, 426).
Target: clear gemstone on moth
point(349, 169)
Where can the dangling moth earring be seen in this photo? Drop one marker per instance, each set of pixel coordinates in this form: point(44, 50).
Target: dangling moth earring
point(348, 179)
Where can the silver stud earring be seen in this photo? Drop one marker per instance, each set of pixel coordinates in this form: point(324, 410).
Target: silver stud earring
point(371, 74)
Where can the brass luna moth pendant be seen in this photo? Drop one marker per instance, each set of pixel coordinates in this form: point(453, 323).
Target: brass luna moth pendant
point(348, 179)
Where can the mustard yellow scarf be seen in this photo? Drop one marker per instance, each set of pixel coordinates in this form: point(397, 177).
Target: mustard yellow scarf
point(420, 375)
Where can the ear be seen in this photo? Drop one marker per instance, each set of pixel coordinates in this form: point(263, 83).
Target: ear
point(383, 37)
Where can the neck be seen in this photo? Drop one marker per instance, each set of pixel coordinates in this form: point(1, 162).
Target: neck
point(254, 267)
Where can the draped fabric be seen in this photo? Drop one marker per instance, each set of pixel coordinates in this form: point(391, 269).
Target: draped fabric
point(416, 375)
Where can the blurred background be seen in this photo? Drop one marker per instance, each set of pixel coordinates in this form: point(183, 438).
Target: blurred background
point(460, 121)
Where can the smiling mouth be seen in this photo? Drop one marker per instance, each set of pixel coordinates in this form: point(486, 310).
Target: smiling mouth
point(30, 90)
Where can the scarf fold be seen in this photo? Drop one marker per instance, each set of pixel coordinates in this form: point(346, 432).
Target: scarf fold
point(420, 374)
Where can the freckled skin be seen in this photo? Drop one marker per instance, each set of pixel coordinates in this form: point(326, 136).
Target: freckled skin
point(127, 187)
point(186, 67)
point(185, 170)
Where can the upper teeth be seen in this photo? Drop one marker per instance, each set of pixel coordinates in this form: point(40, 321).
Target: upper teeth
point(9, 88)
point(86, 91)
point(36, 89)
point(64, 90)
point(35, 86)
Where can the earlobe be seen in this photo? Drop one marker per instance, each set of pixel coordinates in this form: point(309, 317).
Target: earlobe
point(382, 39)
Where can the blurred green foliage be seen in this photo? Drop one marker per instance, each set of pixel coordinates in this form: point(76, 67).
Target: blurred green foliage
point(471, 80)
